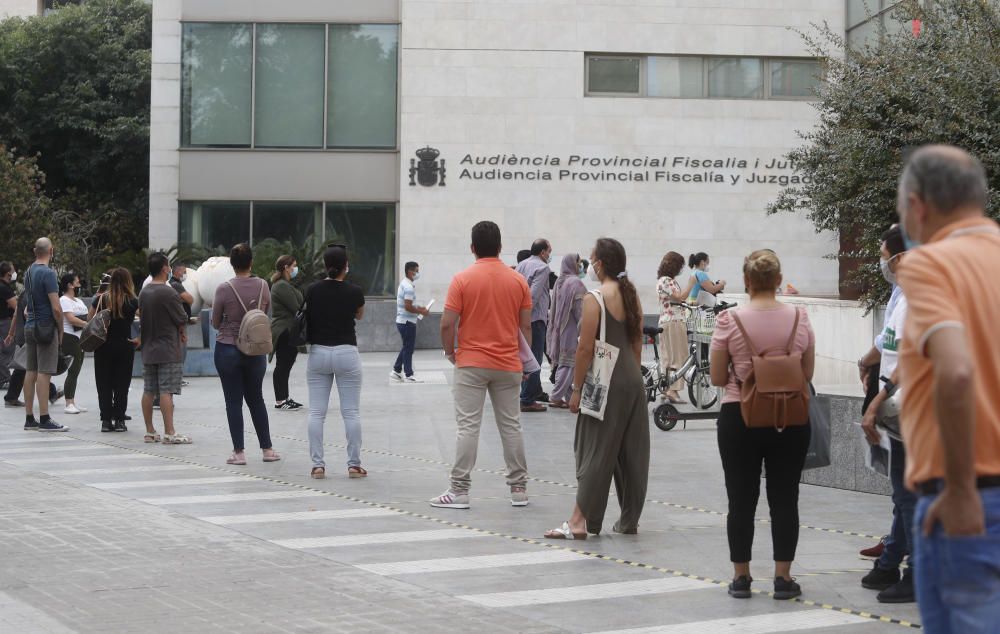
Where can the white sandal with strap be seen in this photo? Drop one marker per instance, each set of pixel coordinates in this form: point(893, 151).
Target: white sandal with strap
point(176, 439)
point(564, 532)
point(151, 437)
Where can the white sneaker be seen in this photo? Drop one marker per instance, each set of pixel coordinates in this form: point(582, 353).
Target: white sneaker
point(73, 409)
point(396, 376)
point(451, 500)
point(412, 379)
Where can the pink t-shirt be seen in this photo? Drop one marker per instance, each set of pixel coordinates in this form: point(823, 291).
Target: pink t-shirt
point(769, 329)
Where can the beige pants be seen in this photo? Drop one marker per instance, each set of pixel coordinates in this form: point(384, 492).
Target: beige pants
point(673, 348)
point(504, 388)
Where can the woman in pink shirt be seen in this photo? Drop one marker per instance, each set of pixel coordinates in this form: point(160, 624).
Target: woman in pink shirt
point(769, 324)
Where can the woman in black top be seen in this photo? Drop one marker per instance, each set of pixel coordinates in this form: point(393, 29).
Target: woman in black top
point(332, 306)
point(113, 359)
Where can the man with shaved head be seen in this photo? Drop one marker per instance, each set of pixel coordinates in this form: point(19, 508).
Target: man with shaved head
point(950, 381)
point(42, 337)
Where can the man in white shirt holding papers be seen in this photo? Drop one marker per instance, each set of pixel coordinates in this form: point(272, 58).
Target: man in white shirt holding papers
point(407, 315)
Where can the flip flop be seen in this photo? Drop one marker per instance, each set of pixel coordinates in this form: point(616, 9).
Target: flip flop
point(234, 459)
point(564, 532)
point(274, 457)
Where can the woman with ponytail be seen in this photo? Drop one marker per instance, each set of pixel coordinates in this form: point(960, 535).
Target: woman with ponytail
point(618, 446)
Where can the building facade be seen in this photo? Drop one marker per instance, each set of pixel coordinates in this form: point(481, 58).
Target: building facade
point(393, 125)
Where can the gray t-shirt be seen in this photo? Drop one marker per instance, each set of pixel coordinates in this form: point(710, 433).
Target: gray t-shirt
point(39, 282)
point(161, 314)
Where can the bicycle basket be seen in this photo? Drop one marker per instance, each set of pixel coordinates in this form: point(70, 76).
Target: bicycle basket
point(706, 322)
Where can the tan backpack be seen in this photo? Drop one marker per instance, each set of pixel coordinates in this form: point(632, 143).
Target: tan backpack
point(254, 338)
point(775, 393)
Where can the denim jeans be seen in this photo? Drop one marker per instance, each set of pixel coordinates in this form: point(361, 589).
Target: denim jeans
point(326, 364)
point(531, 389)
point(404, 362)
point(242, 379)
point(958, 578)
point(904, 505)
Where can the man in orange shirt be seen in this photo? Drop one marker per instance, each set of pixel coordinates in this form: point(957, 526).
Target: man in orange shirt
point(950, 377)
point(494, 305)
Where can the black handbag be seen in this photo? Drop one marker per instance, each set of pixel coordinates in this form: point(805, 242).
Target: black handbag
point(44, 332)
point(299, 332)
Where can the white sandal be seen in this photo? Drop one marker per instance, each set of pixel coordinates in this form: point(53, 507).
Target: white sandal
point(564, 532)
point(176, 439)
point(151, 437)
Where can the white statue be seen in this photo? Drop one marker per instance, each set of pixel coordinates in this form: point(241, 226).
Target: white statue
point(191, 285)
point(213, 273)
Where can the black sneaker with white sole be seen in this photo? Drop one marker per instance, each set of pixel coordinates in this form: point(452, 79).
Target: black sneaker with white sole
point(51, 425)
point(30, 424)
point(287, 406)
point(785, 589)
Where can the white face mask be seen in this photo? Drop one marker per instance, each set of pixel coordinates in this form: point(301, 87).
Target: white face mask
point(593, 273)
point(295, 271)
point(13, 276)
point(708, 268)
point(416, 276)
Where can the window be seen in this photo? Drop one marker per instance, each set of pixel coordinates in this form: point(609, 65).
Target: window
point(702, 77)
point(735, 77)
point(361, 87)
point(614, 75)
point(794, 78)
point(675, 76)
point(369, 231)
point(214, 224)
point(870, 21)
point(289, 85)
point(216, 80)
point(289, 82)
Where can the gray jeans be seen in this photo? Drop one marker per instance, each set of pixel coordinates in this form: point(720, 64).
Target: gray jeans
point(327, 363)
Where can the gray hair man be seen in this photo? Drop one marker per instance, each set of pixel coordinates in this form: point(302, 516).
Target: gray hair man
point(950, 370)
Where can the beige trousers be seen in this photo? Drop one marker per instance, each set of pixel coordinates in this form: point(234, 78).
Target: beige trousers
point(470, 390)
point(673, 348)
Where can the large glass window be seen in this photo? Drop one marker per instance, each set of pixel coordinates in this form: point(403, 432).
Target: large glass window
point(794, 78)
point(361, 92)
point(295, 222)
point(216, 69)
point(675, 76)
point(214, 225)
point(613, 75)
point(735, 78)
point(289, 85)
point(369, 231)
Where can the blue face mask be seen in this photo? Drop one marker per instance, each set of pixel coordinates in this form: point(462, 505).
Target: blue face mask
point(908, 242)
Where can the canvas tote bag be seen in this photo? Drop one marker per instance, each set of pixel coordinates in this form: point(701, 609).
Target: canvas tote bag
point(594, 394)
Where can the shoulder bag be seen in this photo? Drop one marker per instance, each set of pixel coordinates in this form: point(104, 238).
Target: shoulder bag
point(95, 333)
point(597, 385)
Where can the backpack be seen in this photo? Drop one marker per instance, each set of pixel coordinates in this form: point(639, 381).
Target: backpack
point(775, 393)
point(95, 333)
point(254, 337)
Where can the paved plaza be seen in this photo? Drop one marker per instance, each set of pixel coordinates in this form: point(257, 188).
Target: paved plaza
point(103, 533)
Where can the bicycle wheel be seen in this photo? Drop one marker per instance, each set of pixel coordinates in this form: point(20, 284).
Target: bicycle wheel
point(701, 391)
point(665, 416)
point(649, 378)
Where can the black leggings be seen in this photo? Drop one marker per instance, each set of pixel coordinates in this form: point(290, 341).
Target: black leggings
point(284, 359)
point(783, 455)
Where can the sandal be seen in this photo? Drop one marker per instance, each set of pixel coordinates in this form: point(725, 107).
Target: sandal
point(176, 439)
point(559, 404)
point(318, 473)
point(237, 459)
point(151, 437)
point(564, 532)
point(274, 456)
point(676, 400)
point(356, 472)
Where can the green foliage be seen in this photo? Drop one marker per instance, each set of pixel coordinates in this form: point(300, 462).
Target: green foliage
point(75, 89)
point(24, 208)
point(940, 87)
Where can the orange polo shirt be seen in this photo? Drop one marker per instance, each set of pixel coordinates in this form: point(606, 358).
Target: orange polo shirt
point(953, 281)
point(488, 297)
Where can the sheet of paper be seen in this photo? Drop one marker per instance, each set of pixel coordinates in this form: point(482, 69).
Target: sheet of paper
point(428, 307)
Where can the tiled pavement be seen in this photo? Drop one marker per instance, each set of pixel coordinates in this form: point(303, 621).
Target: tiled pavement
point(103, 533)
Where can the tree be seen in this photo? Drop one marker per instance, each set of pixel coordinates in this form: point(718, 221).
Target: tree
point(75, 90)
point(899, 93)
point(24, 208)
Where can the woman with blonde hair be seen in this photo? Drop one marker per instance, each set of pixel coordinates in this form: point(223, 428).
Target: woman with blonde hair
point(765, 324)
point(113, 359)
point(286, 300)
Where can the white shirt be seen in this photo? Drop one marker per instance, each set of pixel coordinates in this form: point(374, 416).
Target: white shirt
point(405, 292)
point(892, 336)
point(74, 306)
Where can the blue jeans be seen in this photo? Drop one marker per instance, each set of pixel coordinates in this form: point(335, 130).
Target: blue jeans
point(408, 331)
point(904, 505)
point(243, 380)
point(531, 389)
point(958, 578)
point(327, 363)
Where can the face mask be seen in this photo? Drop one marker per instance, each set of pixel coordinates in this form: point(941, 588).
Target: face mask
point(886, 271)
point(908, 242)
point(593, 273)
point(347, 270)
point(13, 276)
point(416, 276)
point(708, 268)
point(581, 275)
point(184, 277)
point(295, 271)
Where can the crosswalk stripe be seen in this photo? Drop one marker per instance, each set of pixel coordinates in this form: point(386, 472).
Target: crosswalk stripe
point(87, 447)
point(587, 593)
point(229, 497)
point(472, 563)
point(757, 624)
point(105, 470)
point(141, 484)
point(261, 518)
point(88, 458)
point(37, 439)
point(378, 538)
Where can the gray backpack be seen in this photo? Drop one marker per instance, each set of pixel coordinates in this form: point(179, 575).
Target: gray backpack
point(254, 338)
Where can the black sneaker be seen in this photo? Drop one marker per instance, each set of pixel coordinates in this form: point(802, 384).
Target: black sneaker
point(107, 425)
point(785, 589)
point(544, 398)
point(15, 403)
point(120, 426)
point(740, 588)
point(127, 417)
point(287, 406)
point(901, 592)
point(51, 425)
point(30, 424)
point(55, 397)
point(880, 578)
